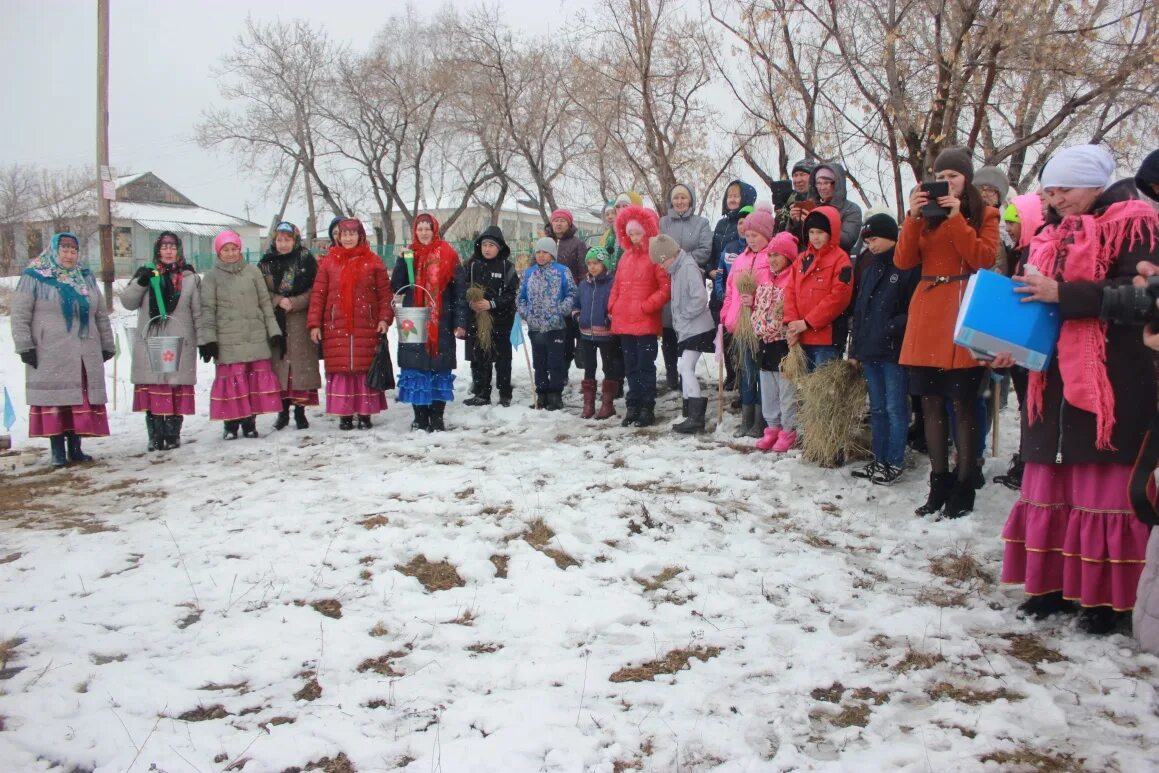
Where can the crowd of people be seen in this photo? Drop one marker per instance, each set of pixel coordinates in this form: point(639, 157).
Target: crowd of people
point(811, 276)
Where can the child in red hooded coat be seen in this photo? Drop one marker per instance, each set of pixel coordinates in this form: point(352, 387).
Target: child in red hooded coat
point(821, 290)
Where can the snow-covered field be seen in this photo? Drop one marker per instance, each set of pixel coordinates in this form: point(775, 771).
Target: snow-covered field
point(616, 599)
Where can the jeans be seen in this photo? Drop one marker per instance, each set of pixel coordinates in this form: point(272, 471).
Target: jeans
point(640, 367)
point(889, 409)
point(547, 353)
point(747, 381)
point(609, 354)
point(817, 355)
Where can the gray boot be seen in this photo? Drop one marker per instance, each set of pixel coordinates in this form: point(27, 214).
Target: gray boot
point(748, 418)
point(757, 430)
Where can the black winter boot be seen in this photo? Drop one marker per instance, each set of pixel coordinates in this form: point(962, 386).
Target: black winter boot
point(553, 401)
point(300, 421)
point(941, 483)
point(75, 454)
point(1043, 606)
point(364, 421)
point(170, 427)
point(56, 443)
point(684, 408)
point(249, 427)
point(697, 407)
point(437, 408)
point(632, 414)
point(961, 500)
point(1101, 621)
point(229, 429)
point(647, 415)
point(153, 427)
point(346, 423)
point(283, 419)
point(422, 419)
point(1013, 477)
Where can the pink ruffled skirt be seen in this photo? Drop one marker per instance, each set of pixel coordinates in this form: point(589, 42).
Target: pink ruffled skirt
point(1072, 530)
point(346, 395)
point(242, 389)
point(164, 400)
point(84, 419)
point(305, 397)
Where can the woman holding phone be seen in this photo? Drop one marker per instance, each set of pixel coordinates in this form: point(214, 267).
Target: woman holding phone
point(950, 235)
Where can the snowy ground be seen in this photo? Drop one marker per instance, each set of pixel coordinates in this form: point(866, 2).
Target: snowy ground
point(621, 600)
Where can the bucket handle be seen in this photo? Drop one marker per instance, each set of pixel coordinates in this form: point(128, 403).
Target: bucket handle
point(142, 332)
point(418, 286)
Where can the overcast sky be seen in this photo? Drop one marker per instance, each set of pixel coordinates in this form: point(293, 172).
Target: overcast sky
point(161, 54)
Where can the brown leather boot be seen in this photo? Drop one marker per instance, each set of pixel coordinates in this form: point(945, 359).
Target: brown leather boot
point(608, 391)
point(588, 388)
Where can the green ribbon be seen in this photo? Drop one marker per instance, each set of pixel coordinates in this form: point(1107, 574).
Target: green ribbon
point(155, 280)
point(409, 257)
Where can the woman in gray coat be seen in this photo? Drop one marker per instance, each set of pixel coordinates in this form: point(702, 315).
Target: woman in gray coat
point(165, 398)
point(694, 235)
point(240, 334)
point(62, 333)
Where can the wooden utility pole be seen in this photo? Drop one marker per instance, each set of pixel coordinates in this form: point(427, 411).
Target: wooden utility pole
point(104, 175)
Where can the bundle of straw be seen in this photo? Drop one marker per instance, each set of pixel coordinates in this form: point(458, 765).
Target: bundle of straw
point(744, 338)
point(484, 325)
point(793, 365)
point(833, 404)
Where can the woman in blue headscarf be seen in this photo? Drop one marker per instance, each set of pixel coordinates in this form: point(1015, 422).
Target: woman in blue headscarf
point(62, 333)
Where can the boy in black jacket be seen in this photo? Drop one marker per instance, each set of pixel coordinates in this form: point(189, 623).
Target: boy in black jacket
point(880, 306)
point(490, 269)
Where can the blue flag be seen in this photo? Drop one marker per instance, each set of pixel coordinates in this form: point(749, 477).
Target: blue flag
point(9, 412)
point(517, 332)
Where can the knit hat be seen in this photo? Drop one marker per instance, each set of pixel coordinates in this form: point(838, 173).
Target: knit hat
point(957, 159)
point(763, 206)
point(1010, 214)
point(804, 165)
point(1080, 166)
point(599, 254)
point(785, 244)
point(631, 197)
point(992, 176)
point(680, 188)
point(761, 222)
point(565, 214)
point(817, 220)
point(609, 204)
point(622, 200)
point(825, 173)
point(745, 210)
point(663, 247)
point(880, 225)
point(224, 238)
point(546, 245)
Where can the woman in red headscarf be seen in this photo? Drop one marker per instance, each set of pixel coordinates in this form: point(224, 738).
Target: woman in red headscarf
point(426, 368)
point(349, 309)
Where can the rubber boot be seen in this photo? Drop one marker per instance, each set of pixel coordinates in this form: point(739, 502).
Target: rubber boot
point(170, 427)
point(748, 417)
point(300, 421)
point(422, 419)
point(941, 483)
point(684, 408)
point(608, 391)
point(588, 389)
point(364, 421)
point(283, 419)
point(768, 439)
point(757, 430)
point(56, 443)
point(647, 415)
point(961, 501)
point(75, 454)
point(346, 423)
point(249, 427)
point(437, 408)
point(230, 428)
point(632, 414)
point(152, 426)
point(697, 407)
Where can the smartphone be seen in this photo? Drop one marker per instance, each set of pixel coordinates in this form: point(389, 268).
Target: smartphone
point(935, 190)
point(808, 205)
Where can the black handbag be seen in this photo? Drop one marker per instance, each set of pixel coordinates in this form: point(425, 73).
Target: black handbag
point(380, 377)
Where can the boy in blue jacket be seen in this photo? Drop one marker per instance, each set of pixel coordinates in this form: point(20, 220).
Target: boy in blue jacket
point(546, 299)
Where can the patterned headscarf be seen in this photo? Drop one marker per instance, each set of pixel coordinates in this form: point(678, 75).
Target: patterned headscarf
point(71, 284)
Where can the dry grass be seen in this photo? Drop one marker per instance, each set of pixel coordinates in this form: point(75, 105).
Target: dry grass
point(1026, 758)
point(311, 690)
point(374, 521)
point(673, 662)
point(657, 582)
point(1028, 648)
point(242, 687)
point(7, 650)
point(793, 365)
point(962, 568)
point(915, 660)
point(433, 576)
point(831, 694)
point(383, 664)
point(833, 404)
point(339, 764)
point(868, 694)
point(203, 713)
point(467, 617)
point(539, 536)
point(327, 607)
point(484, 323)
point(379, 629)
point(500, 562)
point(484, 648)
point(855, 715)
point(942, 598)
point(969, 695)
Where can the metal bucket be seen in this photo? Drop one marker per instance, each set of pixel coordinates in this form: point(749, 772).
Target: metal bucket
point(412, 320)
point(164, 351)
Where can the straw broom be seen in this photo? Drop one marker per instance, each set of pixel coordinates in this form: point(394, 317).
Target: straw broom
point(833, 402)
point(484, 324)
point(744, 338)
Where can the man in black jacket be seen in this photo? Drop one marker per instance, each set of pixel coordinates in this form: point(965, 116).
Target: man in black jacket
point(490, 270)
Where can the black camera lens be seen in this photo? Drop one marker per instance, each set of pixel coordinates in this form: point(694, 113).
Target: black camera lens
point(1131, 305)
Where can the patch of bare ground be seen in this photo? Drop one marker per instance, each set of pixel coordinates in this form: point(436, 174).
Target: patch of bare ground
point(851, 715)
point(965, 731)
point(104, 660)
point(275, 721)
point(916, 660)
point(817, 541)
point(466, 617)
point(941, 598)
point(383, 664)
point(657, 582)
point(204, 713)
point(241, 687)
point(483, 648)
point(374, 521)
point(433, 576)
point(49, 500)
point(327, 607)
point(539, 536)
point(10, 558)
point(1027, 758)
point(961, 568)
point(7, 652)
point(831, 694)
point(1028, 648)
point(868, 694)
point(500, 562)
point(675, 661)
point(666, 486)
point(969, 695)
point(311, 690)
point(379, 629)
point(337, 764)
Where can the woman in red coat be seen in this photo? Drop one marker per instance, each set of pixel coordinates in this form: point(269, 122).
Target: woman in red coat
point(639, 292)
point(349, 309)
point(949, 248)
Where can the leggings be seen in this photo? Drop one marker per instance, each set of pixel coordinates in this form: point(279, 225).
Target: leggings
point(687, 369)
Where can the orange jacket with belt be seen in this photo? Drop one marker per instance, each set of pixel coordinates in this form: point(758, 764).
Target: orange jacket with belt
point(947, 254)
point(822, 285)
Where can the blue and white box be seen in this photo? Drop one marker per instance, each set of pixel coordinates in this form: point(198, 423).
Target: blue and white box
point(993, 319)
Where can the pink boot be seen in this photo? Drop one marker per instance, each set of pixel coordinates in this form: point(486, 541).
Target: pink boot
point(770, 437)
point(786, 441)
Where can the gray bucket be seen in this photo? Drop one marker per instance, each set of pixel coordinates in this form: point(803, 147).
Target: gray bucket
point(164, 351)
point(412, 320)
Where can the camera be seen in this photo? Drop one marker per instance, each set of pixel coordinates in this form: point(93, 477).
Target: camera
point(1131, 305)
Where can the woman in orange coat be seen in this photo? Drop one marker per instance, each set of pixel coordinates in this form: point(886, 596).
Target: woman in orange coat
point(949, 248)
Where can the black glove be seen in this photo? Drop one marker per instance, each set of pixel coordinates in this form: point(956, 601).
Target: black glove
point(144, 275)
point(208, 351)
point(29, 358)
point(108, 355)
point(278, 345)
